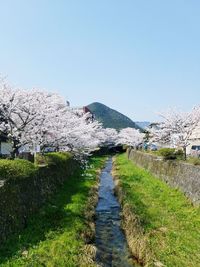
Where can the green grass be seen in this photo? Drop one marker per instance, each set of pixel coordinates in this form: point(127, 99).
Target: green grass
point(170, 222)
point(53, 237)
point(16, 169)
point(194, 161)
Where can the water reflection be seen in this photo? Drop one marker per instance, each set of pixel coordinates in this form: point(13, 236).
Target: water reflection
point(112, 249)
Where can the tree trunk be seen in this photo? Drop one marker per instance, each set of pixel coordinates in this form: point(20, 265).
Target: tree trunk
point(184, 153)
point(15, 150)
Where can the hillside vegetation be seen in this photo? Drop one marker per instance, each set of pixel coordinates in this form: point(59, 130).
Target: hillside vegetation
point(111, 118)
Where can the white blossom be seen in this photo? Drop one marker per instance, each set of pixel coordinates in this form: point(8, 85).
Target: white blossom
point(130, 137)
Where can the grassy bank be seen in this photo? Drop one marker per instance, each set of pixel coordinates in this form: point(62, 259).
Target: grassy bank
point(162, 227)
point(27, 187)
point(57, 235)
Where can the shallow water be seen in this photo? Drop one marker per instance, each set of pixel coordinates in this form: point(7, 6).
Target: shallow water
point(112, 248)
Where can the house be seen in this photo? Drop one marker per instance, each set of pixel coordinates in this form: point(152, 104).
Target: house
point(5, 146)
point(80, 111)
point(194, 138)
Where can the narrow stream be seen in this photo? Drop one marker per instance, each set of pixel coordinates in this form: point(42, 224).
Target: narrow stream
point(112, 248)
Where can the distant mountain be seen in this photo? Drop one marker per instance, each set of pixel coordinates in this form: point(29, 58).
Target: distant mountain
point(111, 118)
point(143, 124)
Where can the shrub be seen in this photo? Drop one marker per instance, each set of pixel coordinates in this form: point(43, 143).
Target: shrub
point(16, 169)
point(57, 158)
point(52, 158)
point(179, 154)
point(167, 153)
point(171, 153)
point(21, 169)
point(40, 159)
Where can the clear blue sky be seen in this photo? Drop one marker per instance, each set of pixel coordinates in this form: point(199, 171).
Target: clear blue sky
point(137, 56)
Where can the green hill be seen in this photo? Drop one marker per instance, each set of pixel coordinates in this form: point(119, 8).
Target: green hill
point(111, 118)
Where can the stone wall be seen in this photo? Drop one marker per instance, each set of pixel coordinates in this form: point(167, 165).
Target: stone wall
point(177, 174)
point(21, 198)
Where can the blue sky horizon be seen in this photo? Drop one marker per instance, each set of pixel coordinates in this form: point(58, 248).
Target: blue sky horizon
point(138, 57)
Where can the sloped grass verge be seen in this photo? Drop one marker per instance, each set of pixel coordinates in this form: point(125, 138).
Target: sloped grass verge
point(161, 225)
point(59, 235)
point(25, 187)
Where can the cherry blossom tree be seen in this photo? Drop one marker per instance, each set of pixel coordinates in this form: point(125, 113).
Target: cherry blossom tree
point(130, 137)
point(176, 128)
point(18, 110)
point(107, 136)
point(59, 128)
point(30, 118)
point(82, 134)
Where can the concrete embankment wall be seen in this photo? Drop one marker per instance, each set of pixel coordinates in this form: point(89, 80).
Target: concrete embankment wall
point(177, 174)
point(21, 196)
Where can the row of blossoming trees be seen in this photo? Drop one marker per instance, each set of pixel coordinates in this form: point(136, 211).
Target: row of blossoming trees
point(30, 118)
